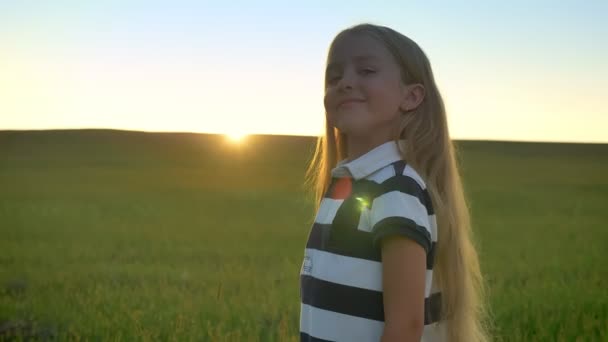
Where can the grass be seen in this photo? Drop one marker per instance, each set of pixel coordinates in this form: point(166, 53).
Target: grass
point(110, 235)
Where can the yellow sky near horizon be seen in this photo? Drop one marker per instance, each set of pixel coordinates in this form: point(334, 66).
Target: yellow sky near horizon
point(164, 71)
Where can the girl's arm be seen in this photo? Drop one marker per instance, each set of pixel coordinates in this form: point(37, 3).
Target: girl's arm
point(403, 277)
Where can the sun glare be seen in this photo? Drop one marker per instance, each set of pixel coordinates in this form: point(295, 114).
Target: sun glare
point(236, 137)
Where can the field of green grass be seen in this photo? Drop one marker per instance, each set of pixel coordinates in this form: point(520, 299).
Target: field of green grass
point(113, 235)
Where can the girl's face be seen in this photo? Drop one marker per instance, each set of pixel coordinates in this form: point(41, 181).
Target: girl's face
point(363, 87)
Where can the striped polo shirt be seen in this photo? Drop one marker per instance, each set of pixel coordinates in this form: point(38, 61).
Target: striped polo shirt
point(371, 197)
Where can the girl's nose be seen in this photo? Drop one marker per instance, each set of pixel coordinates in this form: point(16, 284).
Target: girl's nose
point(347, 81)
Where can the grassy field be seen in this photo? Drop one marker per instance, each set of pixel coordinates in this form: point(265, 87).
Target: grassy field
point(110, 235)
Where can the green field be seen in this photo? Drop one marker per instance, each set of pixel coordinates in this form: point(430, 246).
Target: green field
point(111, 235)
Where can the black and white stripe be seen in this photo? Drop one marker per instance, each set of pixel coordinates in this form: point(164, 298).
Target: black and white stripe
point(341, 276)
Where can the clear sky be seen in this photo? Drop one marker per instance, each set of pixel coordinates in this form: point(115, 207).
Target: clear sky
point(508, 70)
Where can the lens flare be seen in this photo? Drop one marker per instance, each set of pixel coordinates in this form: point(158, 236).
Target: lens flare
point(363, 203)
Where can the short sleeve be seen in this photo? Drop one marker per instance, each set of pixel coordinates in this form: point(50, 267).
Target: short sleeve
point(401, 209)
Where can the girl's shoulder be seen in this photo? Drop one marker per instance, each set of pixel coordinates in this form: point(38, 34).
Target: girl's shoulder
point(399, 170)
point(400, 176)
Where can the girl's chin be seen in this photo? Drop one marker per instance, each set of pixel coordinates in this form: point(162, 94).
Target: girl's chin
point(348, 121)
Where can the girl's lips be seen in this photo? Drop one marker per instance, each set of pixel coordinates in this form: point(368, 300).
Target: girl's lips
point(349, 102)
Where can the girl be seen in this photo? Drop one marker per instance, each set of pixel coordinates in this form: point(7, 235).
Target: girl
point(389, 257)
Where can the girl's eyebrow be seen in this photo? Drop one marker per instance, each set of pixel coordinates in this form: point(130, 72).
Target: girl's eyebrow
point(360, 58)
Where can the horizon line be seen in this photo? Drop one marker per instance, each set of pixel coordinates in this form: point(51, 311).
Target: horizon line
point(287, 135)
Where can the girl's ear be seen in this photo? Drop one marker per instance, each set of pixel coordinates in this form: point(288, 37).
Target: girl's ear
point(413, 94)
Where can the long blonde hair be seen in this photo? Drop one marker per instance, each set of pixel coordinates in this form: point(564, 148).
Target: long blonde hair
point(430, 152)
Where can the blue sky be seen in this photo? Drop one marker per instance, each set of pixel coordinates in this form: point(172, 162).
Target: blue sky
point(533, 71)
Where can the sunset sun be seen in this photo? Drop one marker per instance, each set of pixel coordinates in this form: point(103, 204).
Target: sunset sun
point(236, 137)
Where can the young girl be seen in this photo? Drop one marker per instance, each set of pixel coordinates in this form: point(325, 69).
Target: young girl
point(389, 257)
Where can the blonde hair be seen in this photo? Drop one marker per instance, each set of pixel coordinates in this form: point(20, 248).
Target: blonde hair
point(430, 152)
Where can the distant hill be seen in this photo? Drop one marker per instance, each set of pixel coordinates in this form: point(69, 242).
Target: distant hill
point(98, 141)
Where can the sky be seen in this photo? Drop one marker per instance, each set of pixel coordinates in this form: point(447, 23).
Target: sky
point(516, 70)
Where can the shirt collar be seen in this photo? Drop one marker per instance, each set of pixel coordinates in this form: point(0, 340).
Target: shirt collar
point(370, 162)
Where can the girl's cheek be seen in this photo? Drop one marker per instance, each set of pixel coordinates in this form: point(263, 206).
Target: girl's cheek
point(327, 98)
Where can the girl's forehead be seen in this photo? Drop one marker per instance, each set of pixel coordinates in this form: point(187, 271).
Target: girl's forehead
point(357, 47)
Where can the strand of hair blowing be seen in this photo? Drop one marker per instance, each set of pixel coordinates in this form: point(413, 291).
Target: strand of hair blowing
point(429, 150)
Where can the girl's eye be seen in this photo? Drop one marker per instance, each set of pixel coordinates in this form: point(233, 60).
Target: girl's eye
point(333, 79)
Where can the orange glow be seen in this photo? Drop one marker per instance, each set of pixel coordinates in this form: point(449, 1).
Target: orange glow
point(236, 137)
